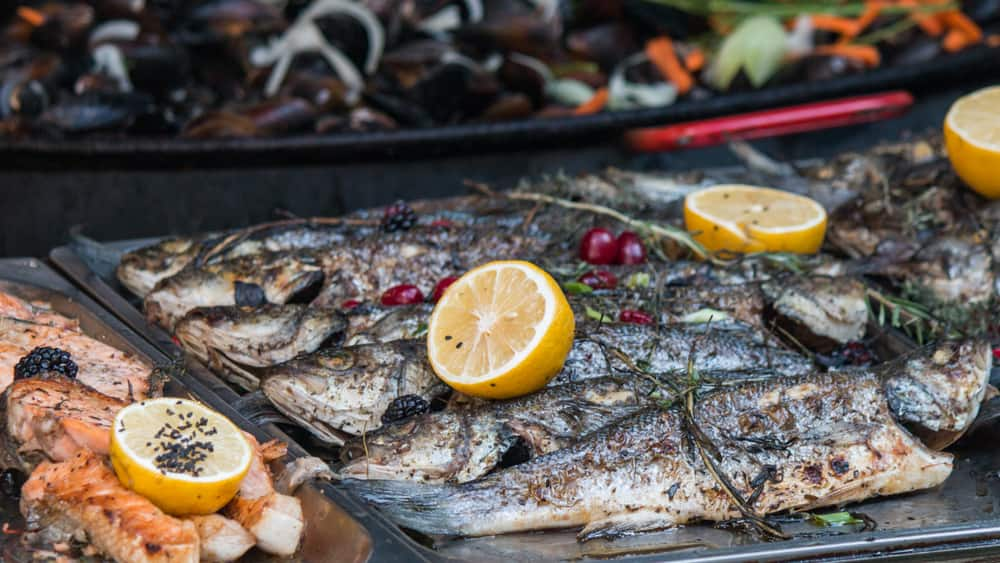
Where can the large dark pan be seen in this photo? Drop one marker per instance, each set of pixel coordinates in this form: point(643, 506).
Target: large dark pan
point(123, 153)
point(336, 530)
point(959, 519)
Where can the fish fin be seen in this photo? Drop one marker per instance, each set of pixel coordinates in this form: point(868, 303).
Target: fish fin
point(431, 509)
point(625, 525)
point(853, 491)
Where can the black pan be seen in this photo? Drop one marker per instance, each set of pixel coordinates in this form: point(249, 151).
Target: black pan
point(129, 153)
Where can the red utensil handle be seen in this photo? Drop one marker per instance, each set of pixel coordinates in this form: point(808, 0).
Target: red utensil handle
point(771, 123)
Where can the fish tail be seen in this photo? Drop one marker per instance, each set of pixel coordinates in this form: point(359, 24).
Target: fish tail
point(431, 509)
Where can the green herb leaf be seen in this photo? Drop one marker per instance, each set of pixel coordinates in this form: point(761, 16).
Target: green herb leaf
point(835, 519)
point(577, 288)
point(421, 331)
point(757, 46)
point(636, 280)
point(597, 315)
point(702, 316)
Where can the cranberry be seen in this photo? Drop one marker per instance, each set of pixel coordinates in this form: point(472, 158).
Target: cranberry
point(996, 353)
point(442, 223)
point(635, 317)
point(349, 304)
point(441, 286)
point(404, 294)
point(630, 249)
point(599, 279)
point(598, 246)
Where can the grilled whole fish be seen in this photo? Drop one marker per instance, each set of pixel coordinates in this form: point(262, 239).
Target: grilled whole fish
point(366, 267)
point(336, 392)
point(82, 499)
point(140, 270)
point(819, 311)
point(464, 443)
point(786, 443)
point(102, 367)
point(52, 418)
point(368, 324)
point(616, 348)
point(233, 340)
point(279, 276)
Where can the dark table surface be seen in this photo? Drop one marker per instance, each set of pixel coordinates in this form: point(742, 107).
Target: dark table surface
point(38, 207)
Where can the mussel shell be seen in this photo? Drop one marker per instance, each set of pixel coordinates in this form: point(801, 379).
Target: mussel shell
point(97, 111)
point(606, 44)
point(452, 92)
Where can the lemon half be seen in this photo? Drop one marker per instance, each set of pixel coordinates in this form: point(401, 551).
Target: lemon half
point(181, 455)
point(972, 137)
point(502, 330)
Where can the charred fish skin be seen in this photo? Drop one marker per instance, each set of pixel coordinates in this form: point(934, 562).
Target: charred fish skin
point(280, 276)
point(338, 392)
point(464, 443)
point(820, 440)
point(369, 324)
point(937, 391)
point(422, 256)
point(236, 339)
point(820, 312)
point(140, 270)
point(618, 349)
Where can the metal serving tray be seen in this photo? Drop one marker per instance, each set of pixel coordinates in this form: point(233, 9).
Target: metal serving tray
point(957, 520)
point(331, 534)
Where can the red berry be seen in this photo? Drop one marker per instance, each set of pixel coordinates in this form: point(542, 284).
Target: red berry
point(443, 223)
point(630, 249)
point(598, 246)
point(441, 286)
point(349, 304)
point(996, 354)
point(635, 317)
point(404, 294)
point(599, 279)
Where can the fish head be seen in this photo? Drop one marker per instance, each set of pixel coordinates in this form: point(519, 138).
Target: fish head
point(140, 270)
point(937, 391)
point(428, 447)
point(386, 324)
point(820, 312)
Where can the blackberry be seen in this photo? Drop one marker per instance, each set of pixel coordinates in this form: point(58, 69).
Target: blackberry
point(44, 359)
point(404, 407)
point(398, 217)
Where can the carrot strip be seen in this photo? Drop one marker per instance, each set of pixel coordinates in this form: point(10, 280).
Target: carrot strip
point(868, 17)
point(661, 52)
point(865, 53)
point(929, 23)
point(955, 41)
point(595, 104)
point(695, 60)
point(31, 15)
point(836, 24)
point(958, 21)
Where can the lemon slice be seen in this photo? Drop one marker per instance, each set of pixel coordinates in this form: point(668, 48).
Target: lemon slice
point(181, 455)
point(738, 218)
point(972, 137)
point(502, 330)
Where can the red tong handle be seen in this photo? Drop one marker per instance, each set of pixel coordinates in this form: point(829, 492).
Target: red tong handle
point(771, 123)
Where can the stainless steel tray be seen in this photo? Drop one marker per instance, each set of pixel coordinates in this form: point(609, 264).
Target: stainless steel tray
point(330, 535)
point(957, 520)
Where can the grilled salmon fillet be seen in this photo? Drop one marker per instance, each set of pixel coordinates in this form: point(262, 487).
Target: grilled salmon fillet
point(106, 369)
point(82, 499)
point(37, 312)
point(53, 418)
point(273, 518)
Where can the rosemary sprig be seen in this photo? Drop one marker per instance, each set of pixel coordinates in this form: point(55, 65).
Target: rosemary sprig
point(668, 232)
point(909, 316)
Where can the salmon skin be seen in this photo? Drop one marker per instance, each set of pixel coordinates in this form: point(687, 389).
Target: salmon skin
point(82, 499)
point(53, 418)
point(106, 369)
point(37, 312)
point(800, 443)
